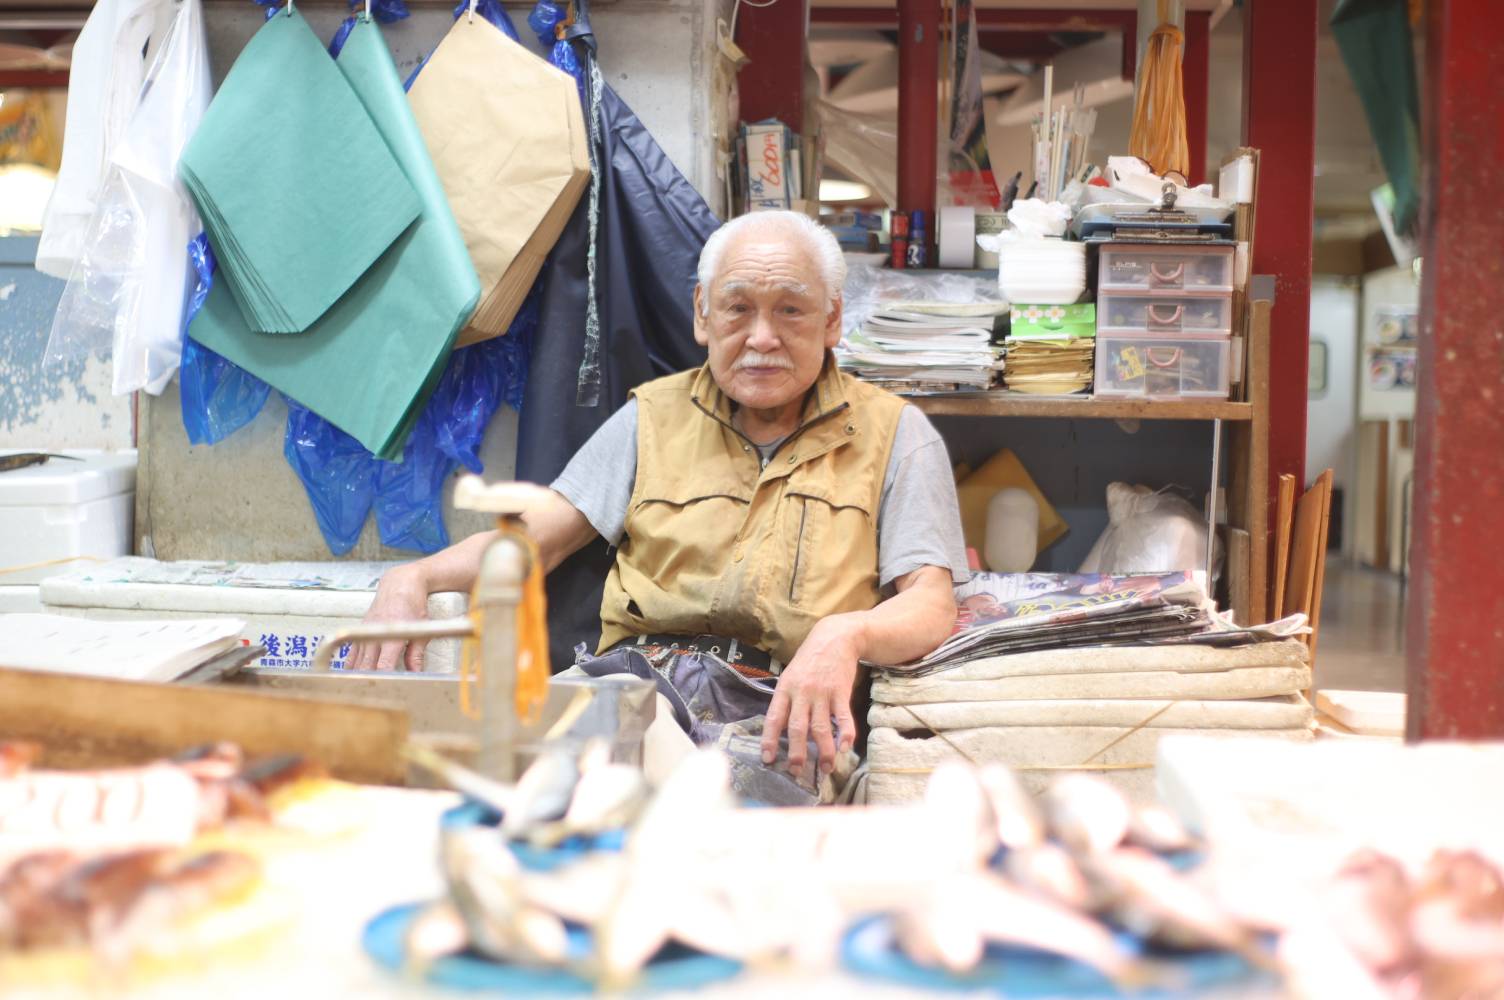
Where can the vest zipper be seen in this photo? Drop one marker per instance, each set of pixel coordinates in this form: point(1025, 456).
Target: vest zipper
point(798, 550)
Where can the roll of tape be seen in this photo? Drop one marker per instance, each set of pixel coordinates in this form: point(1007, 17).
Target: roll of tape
point(958, 233)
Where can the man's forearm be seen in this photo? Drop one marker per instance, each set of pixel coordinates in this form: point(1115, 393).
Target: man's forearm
point(456, 567)
point(906, 626)
point(555, 525)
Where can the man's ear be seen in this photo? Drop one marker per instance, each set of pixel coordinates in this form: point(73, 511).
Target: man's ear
point(833, 323)
point(702, 328)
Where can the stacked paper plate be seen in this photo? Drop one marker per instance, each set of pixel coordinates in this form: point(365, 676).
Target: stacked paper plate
point(1044, 271)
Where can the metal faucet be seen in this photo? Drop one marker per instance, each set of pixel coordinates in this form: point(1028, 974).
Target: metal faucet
point(498, 591)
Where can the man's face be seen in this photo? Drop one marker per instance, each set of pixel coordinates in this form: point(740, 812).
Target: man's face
point(768, 327)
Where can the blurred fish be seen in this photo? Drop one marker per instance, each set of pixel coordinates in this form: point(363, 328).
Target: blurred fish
point(1368, 902)
point(1020, 823)
point(471, 784)
point(1087, 814)
point(1316, 965)
point(1153, 826)
point(954, 795)
point(437, 931)
point(581, 892)
point(607, 797)
point(543, 792)
point(485, 884)
point(17, 755)
point(635, 927)
point(1010, 916)
point(1048, 870)
point(937, 932)
point(1153, 900)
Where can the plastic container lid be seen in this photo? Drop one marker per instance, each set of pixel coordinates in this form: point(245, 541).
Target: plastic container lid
point(61, 481)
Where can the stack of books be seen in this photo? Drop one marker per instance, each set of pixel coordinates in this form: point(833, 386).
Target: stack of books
point(922, 348)
point(1050, 349)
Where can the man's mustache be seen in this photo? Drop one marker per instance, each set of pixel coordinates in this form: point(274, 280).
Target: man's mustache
point(752, 359)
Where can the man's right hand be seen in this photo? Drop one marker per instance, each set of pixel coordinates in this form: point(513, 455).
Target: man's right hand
point(401, 596)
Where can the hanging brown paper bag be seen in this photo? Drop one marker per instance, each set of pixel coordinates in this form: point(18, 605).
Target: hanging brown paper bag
point(507, 137)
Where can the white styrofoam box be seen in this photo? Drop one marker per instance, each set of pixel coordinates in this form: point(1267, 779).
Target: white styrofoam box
point(67, 508)
point(24, 598)
point(288, 607)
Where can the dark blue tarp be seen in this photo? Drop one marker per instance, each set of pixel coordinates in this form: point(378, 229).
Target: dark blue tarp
point(650, 229)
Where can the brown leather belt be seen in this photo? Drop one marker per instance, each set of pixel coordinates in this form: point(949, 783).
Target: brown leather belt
point(749, 661)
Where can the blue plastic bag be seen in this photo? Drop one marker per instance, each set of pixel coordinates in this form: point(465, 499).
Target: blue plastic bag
point(217, 396)
point(338, 474)
point(545, 18)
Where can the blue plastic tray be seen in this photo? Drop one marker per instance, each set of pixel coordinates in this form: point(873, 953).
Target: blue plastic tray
point(871, 950)
point(673, 968)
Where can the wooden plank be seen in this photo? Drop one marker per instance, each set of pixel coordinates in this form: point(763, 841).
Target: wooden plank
point(1022, 405)
point(1381, 500)
point(1325, 483)
point(1284, 512)
point(91, 722)
point(1257, 479)
point(1237, 574)
point(1308, 556)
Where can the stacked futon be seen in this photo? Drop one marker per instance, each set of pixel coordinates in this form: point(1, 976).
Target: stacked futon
point(1097, 709)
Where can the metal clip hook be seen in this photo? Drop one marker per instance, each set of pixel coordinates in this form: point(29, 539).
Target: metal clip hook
point(472, 11)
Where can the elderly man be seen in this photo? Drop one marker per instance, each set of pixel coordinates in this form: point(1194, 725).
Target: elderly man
point(775, 521)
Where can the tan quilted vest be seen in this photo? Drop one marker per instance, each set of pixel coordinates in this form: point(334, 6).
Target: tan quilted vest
point(714, 544)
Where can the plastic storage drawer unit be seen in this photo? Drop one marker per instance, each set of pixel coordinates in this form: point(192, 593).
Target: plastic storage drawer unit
point(1163, 367)
point(1153, 313)
point(1154, 268)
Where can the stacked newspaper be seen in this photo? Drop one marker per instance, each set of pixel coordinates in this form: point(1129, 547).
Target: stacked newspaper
point(926, 347)
point(1017, 612)
point(1052, 674)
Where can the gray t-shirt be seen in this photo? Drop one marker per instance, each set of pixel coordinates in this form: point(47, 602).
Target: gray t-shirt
point(918, 521)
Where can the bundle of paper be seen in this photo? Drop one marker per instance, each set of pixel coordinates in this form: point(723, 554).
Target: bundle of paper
point(128, 650)
point(508, 141)
point(1049, 367)
point(297, 189)
point(369, 364)
point(904, 347)
point(1010, 613)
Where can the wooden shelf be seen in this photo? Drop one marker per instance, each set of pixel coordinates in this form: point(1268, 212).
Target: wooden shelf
point(1005, 404)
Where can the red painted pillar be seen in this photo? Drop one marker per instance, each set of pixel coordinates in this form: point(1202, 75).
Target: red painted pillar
point(1456, 595)
point(918, 105)
point(1279, 119)
point(771, 85)
point(1195, 77)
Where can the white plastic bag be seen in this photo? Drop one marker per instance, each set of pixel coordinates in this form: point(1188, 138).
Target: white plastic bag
point(1147, 532)
point(128, 286)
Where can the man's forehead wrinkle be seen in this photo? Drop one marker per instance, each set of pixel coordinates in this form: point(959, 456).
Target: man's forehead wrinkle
point(733, 286)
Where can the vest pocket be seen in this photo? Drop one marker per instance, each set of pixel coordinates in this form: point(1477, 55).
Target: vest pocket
point(832, 541)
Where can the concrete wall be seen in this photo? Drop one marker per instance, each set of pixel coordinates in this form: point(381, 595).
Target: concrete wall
point(67, 406)
point(238, 499)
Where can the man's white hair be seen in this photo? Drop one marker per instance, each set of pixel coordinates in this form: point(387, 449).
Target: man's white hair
point(821, 243)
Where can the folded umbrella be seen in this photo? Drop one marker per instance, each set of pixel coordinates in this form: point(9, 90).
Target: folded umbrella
point(370, 363)
point(297, 189)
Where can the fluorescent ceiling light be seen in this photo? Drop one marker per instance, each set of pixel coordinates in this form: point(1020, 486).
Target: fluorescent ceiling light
point(832, 190)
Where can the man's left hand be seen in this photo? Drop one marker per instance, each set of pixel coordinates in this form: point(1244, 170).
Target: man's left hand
point(815, 689)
